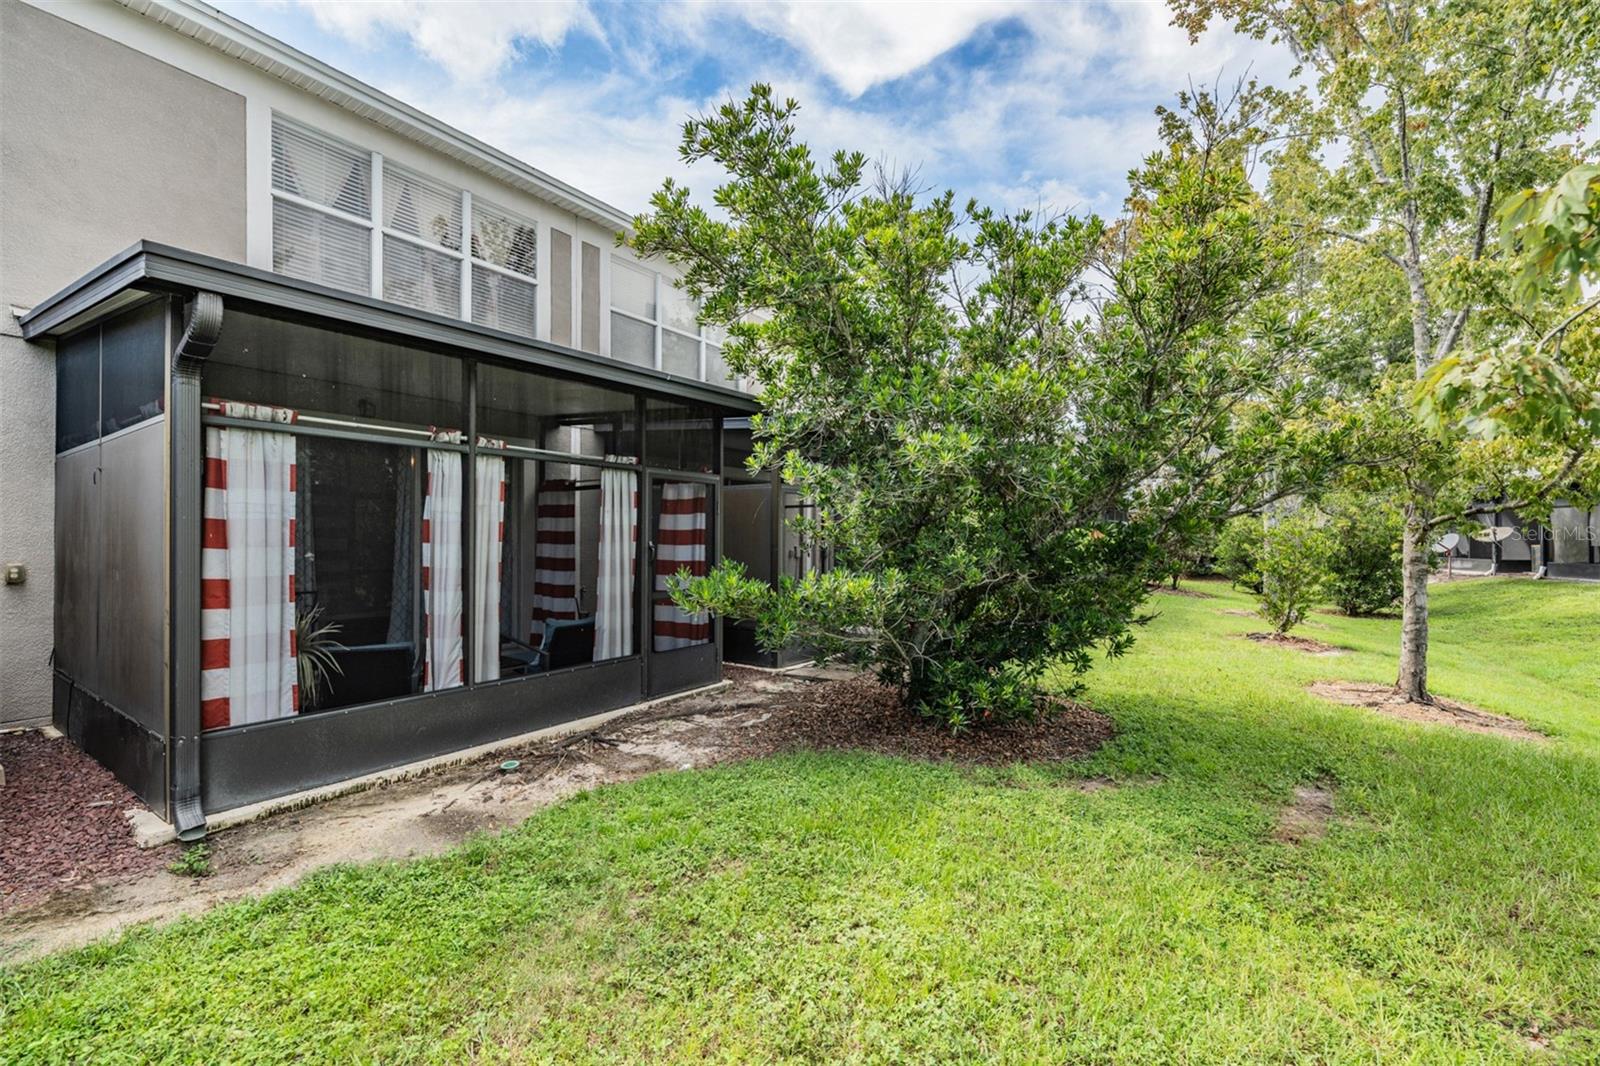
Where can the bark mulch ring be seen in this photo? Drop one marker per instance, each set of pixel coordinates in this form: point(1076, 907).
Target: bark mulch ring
point(860, 714)
point(1288, 640)
point(61, 820)
point(1386, 701)
point(1168, 590)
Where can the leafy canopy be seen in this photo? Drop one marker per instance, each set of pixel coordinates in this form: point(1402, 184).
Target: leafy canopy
point(1007, 422)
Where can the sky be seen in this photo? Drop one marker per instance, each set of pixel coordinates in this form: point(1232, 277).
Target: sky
point(1021, 105)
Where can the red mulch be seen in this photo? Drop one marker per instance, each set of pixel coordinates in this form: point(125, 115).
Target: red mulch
point(61, 820)
point(860, 714)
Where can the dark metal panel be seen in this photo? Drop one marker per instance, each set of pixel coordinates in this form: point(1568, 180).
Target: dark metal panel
point(1580, 571)
point(78, 543)
point(684, 668)
point(133, 573)
point(258, 762)
point(137, 756)
point(161, 266)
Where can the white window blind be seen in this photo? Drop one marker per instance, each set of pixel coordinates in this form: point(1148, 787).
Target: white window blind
point(421, 277)
point(321, 169)
point(421, 207)
point(321, 208)
point(315, 246)
point(504, 251)
point(503, 239)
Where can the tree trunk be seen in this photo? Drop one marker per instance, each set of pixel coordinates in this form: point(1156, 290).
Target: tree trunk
point(1413, 680)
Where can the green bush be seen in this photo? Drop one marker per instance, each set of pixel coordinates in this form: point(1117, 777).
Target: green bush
point(1294, 570)
point(1238, 551)
point(1364, 575)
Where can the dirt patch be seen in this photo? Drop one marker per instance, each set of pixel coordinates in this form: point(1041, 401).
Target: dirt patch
point(1289, 640)
point(1238, 612)
point(862, 715)
point(1194, 594)
point(760, 713)
point(1386, 701)
point(1307, 816)
point(61, 821)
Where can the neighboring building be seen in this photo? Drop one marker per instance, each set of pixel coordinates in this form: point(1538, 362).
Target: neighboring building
point(340, 365)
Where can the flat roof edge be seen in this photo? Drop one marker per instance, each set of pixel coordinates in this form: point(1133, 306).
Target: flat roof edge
point(151, 265)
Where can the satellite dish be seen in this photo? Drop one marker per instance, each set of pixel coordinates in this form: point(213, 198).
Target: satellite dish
point(1494, 533)
point(1448, 542)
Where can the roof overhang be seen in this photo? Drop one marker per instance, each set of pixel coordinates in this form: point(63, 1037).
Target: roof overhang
point(245, 43)
point(149, 267)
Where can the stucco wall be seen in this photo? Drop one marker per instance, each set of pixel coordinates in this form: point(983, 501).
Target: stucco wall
point(100, 146)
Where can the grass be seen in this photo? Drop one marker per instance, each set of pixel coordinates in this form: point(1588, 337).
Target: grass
point(846, 907)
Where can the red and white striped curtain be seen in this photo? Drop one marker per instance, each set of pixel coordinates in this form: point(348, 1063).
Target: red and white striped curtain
point(247, 603)
point(614, 584)
point(441, 573)
point(680, 545)
point(489, 537)
point(555, 559)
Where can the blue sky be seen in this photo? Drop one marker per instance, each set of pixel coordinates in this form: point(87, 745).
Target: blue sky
point(1018, 104)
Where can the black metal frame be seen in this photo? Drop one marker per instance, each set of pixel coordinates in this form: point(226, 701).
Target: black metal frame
point(217, 770)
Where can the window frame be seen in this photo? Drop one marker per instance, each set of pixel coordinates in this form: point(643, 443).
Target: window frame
point(377, 229)
point(658, 323)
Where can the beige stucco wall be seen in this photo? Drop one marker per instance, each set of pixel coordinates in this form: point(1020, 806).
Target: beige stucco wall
point(100, 146)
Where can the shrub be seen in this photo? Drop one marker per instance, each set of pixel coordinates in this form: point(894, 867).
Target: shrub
point(1238, 551)
point(1294, 574)
point(1364, 575)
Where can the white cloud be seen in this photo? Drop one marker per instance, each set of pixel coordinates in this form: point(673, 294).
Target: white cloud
point(861, 43)
point(471, 39)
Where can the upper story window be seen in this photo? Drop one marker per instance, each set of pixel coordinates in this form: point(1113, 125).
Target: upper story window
point(321, 208)
point(349, 218)
point(656, 324)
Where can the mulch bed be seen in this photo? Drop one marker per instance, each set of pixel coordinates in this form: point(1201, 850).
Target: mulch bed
point(860, 714)
point(61, 820)
point(1287, 640)
point(1384, 700)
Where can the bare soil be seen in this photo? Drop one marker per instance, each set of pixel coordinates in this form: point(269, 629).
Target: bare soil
point(1386, 701)
point(1307, 816)
point(1168, 590)
point(758, 714)
point(1289, 640)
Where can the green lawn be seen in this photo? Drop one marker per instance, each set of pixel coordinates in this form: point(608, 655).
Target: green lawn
point(859, 908)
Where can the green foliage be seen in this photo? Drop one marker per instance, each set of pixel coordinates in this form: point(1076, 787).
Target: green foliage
point(1238, 554)
point(1555, 233)
point(315, 661)
point(194, 862)
point(1294, 569)
point(778, 910)
point(998, 473)
point(1363, 562)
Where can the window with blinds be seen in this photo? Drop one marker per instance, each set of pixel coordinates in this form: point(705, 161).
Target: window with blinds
point(504, 252)
point(321, 207)
point(349, 218)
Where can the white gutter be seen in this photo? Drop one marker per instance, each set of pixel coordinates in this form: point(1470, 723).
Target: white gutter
point(235, 39)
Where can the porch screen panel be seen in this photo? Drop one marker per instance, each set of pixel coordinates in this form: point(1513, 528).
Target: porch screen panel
point(618, 567)
point(247, 621)
point(441, 573)
point(681, 542)
point(489, 534)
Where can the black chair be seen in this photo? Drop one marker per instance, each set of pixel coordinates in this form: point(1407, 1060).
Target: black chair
point(567, 642)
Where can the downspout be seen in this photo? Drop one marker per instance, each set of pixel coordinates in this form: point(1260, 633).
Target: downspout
point(200, 333)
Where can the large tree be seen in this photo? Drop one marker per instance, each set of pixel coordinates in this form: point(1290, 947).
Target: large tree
point(1008, 422)
point(1413, 120)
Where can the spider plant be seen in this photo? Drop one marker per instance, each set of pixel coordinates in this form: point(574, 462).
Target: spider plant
point(315, 647)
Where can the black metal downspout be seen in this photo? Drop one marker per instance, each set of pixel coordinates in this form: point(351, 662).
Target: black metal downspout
point(200, 335)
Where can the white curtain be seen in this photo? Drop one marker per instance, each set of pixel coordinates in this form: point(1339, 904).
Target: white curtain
point(614, 597)
point(441, 572)
point(488, 534)
point(247, 619)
